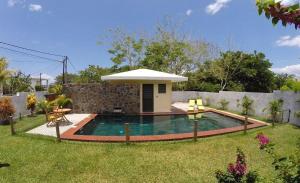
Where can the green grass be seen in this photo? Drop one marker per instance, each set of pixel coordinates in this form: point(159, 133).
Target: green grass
point(41, 159)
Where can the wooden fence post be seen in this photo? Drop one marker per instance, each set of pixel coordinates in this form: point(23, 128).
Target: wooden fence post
point(195, 130)
point(57, 131)
point(12, 127)
point(20, 116)
point(126, 129)
point(245, 124)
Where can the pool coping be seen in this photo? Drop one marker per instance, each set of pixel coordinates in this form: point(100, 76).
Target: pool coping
point(70, 134)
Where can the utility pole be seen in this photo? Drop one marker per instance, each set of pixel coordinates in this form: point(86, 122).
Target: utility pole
point(40, 79)
point(64, 74)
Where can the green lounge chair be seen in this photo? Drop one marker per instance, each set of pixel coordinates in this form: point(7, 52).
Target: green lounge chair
point(192, 104)
point(200, 105)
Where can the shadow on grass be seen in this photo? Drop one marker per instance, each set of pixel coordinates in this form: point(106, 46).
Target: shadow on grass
point(2, 165)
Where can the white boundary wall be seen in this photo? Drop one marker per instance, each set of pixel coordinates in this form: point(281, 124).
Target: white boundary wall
point(19, 101)
point(261, 101)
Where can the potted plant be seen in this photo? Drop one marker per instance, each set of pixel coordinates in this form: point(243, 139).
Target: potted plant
point(7, 109)
point(31, 103)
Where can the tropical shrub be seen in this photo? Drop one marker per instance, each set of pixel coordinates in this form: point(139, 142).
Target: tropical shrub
point(246, 105)
point(31, 102)
point(61, 101)
point(223, 104)
point(275, 108)
point(237, 172)
point(6, 108)
point(56, 89)
point(44, 106)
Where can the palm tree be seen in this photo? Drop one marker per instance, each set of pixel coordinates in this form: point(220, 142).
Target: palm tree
point(4, 73)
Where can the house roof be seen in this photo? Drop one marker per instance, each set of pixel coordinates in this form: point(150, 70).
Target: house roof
point(144, 74)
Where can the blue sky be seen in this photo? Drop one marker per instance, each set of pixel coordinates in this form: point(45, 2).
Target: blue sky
point(73, 28)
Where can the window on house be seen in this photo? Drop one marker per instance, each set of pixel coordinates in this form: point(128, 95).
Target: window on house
point(162, 88)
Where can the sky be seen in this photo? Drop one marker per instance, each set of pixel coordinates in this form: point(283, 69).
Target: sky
point(74, 28)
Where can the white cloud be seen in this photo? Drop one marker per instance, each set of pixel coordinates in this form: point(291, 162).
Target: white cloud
point(288, 2)
point(290, 69)
point(289, 41)
point(216, 6)
point(12, 3)
point(35, 7)
point(188, 12)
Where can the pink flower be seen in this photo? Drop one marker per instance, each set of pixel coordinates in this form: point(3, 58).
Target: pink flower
point(263, 140)
point(231, 168)
point(240, 169)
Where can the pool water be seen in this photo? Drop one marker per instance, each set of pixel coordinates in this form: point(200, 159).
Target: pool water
point(155, 125)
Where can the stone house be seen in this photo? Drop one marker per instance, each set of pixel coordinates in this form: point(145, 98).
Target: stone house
point(133, 92)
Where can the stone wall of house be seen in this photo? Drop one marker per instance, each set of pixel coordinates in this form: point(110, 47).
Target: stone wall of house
point(104, 97)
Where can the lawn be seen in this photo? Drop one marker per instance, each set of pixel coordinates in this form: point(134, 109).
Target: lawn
point(41, 159)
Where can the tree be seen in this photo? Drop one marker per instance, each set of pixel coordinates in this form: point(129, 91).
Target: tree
point(167, 56)
point(70, 78)
point(18, 82)
point(281, 79)
point(291, 84)
point(255, 74)
point(226, 67)
point(92, 74)
point(126, 49)
point(4, 73)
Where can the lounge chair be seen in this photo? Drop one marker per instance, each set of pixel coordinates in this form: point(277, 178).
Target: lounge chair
point(200, 105)
point(194, 116)
point(191, 116)
point(192, 104)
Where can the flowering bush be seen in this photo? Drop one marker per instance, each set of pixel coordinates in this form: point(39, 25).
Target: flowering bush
point(237, 172)
point(286, 11)
point(264, 141)
point(288, 168)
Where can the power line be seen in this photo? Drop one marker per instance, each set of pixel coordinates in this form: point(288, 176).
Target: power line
point(28, 49)
point(26, 61)
point(72, 66)
point(30, 54)
point(51, 68)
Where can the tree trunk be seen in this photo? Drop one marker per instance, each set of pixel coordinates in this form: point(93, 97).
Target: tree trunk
point(1, 89)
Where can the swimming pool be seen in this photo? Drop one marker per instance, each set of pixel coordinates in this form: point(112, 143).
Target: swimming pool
point(140, 125)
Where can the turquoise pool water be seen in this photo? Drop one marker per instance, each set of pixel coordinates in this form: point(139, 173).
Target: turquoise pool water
point(155, 125)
